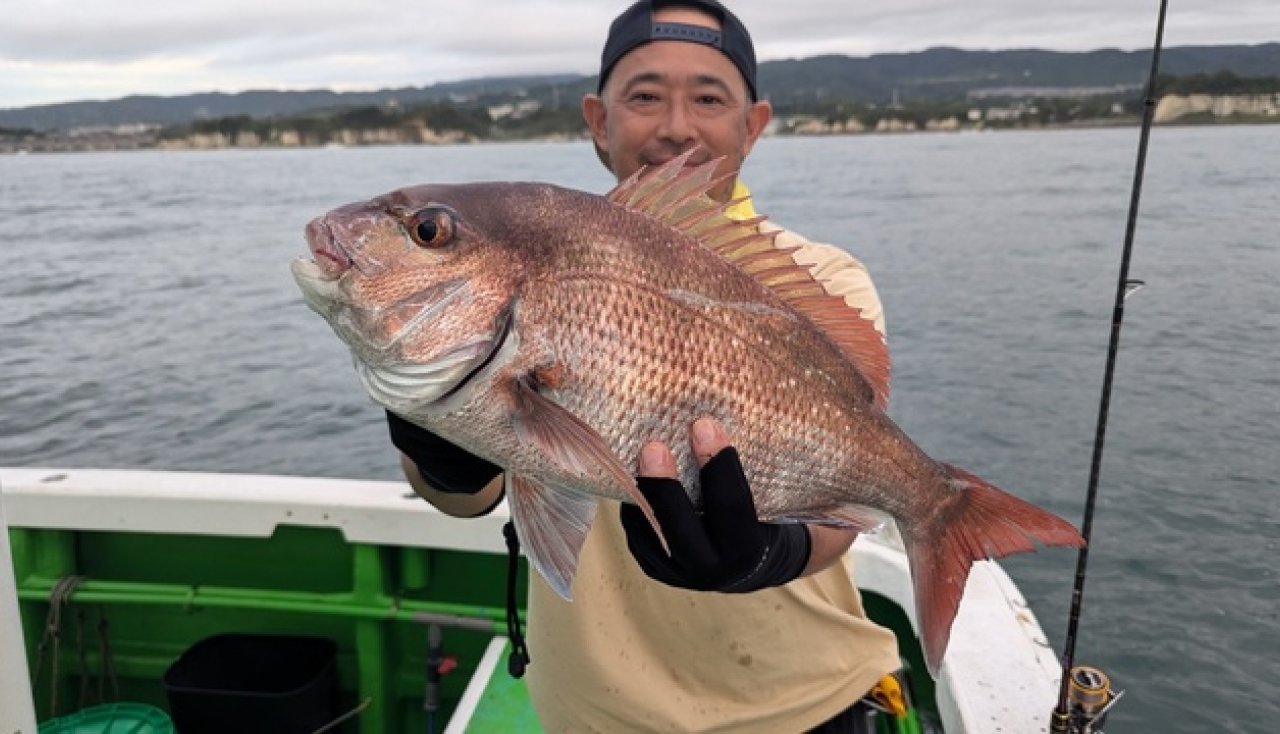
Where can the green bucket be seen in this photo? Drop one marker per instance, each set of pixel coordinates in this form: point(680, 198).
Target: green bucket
point(111, 718)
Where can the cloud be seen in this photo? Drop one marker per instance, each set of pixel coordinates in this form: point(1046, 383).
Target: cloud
point(859, 28)
point(53, 50)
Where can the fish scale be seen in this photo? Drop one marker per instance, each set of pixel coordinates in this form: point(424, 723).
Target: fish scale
point(555, 332)
point(630, 408)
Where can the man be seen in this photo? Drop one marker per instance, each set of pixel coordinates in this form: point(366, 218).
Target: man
point(745, 626)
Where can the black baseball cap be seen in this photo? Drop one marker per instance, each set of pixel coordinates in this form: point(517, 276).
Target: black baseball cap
point(636, 27)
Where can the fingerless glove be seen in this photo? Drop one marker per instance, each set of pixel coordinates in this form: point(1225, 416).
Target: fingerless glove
point(725, 547)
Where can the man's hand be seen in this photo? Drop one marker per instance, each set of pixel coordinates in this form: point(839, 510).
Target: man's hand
point(724, 547)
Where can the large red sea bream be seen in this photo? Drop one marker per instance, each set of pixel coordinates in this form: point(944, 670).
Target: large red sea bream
point(554, 332)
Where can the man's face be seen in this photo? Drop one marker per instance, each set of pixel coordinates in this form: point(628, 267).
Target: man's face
point(666, 97)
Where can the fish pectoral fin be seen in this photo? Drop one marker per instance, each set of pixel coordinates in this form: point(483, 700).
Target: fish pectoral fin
point(575, 446)
point(552, 525)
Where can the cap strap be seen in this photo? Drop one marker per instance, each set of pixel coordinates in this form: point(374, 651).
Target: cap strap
point(685, 32)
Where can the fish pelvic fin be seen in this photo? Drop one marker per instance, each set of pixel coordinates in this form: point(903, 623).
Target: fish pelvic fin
point(978, 521)
point(677, 196)
point(575, 447)
point(552, 525)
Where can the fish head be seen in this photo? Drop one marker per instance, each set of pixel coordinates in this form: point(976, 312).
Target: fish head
point(419, 283)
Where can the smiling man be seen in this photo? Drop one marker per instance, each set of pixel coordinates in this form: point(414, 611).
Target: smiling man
point(744, 626)
point(660, 97)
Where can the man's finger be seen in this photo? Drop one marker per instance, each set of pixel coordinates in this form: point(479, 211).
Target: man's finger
point(708, 439)
point(726, 496)
point(686, 537)
point(730, 511)
point(657, 461)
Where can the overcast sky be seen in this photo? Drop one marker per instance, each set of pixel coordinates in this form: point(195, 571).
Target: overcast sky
point(62, 50)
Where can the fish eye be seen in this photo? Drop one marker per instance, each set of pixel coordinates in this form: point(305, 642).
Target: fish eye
point(431, 227)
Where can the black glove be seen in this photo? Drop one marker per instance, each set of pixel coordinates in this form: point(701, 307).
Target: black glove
point(725, 548)
point(444, 465)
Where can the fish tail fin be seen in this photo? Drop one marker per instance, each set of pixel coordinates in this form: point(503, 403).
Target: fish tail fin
point(978, 521)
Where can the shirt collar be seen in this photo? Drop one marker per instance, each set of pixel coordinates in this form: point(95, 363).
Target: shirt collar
point(744, 209)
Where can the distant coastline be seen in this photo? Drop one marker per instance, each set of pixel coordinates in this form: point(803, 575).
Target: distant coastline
point(1172, 109)
point(936, 90)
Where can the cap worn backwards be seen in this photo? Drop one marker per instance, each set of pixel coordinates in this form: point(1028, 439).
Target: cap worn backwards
point(636, 27)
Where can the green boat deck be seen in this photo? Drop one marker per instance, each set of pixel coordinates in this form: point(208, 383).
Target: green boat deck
point(163, 560)
point(159, 594)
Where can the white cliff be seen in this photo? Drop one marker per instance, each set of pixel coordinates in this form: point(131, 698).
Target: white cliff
point(1173, 107)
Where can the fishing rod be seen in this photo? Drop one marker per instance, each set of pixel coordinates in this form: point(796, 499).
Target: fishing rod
point(1085, 695)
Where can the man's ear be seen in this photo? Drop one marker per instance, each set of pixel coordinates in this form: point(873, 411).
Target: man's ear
point(593, 112)
point(758, 116)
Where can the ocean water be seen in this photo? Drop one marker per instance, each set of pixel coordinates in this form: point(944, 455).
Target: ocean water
point(148, 320)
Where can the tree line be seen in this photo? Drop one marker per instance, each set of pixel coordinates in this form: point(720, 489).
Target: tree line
point(474, 121)
point(318, 128)
point(1218, 84)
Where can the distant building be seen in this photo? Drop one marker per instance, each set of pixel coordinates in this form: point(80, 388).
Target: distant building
point(1049, 92)
point(516, 110)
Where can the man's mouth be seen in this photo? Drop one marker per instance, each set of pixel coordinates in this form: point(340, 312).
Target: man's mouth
point(693, 157)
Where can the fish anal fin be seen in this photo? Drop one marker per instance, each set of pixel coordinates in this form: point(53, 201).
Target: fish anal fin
point(552, 526)
point(977, 521)
point(857, 517)
point(576, 449)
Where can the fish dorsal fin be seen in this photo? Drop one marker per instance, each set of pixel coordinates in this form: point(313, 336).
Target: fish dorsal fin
point(677, 195)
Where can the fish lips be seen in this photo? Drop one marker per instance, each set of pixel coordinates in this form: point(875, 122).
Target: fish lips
point(319, 278)
point(330, 257)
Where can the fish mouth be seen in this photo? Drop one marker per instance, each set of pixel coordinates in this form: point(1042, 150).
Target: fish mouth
point(330, 257)
point(499, 340)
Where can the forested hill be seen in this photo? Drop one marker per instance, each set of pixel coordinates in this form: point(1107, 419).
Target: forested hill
point(947, 73)
point(935, 74)
point(183, 109)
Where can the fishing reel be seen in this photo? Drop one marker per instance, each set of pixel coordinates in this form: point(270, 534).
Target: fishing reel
point(1089, 698)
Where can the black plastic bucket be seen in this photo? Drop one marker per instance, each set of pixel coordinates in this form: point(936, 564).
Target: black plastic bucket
point(277, 684)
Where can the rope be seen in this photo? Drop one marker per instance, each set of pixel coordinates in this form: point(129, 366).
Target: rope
point(519, 658)
point(84, 662)
point(108, 662)
point(59, 596)
point(363, 705)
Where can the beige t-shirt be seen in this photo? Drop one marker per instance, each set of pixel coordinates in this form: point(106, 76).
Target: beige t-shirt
point(631, 654)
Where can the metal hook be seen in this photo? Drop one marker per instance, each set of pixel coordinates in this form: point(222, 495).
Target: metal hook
point(1131, 286)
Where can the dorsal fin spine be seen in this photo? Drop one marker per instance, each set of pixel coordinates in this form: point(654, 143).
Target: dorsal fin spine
point(694, 219)
point(749, 246)
point(677, 196)
point(690, 187)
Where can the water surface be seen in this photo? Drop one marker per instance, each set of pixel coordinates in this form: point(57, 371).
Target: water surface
point(149, 321)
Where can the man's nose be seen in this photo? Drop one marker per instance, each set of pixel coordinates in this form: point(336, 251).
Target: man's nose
point(677, 126)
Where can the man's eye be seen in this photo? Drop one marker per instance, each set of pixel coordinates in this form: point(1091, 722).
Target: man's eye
point(710, 99)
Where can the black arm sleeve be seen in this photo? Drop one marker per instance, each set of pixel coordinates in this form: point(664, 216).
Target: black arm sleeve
point(444, 465)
